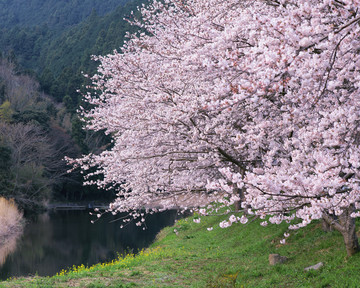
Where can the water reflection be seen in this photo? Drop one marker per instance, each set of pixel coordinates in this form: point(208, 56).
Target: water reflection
point(8, 246)
point(61, 239)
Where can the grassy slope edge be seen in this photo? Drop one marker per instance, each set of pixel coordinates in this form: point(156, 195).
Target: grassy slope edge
point(232, 257)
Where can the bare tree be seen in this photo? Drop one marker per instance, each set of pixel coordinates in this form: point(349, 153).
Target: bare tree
point(35, 163)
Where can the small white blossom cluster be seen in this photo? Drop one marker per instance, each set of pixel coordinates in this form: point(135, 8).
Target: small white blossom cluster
point(233, 219)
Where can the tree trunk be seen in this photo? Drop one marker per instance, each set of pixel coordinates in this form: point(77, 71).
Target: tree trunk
point(349, 234)
point(237, 204)
point(351, 241)
point(326, 227)
point(345, 224)
point(241, 193)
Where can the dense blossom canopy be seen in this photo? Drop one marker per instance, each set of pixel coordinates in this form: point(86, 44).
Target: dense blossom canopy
point(213, 95)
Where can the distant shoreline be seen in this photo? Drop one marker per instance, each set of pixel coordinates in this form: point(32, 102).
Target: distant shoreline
point(77, 206)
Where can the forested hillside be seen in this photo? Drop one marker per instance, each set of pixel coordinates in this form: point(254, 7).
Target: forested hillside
point(35, 135)
point(64, 58)
point(44, 46)
point(32, 141)
point(55, 39)
point(53, 13)
point(56, 51)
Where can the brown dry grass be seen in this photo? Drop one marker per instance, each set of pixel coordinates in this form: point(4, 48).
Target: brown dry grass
point(10, 217)
point(11, 224)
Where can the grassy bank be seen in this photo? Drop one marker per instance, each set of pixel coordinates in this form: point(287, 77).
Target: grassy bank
point(232, 257)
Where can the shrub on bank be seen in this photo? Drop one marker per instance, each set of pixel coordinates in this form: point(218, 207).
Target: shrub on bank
point(10, 218)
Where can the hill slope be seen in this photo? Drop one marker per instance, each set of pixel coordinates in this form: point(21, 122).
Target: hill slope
point(58, 50)
point(53, 13)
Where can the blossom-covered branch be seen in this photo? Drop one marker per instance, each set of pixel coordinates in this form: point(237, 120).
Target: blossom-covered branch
point(261, 96)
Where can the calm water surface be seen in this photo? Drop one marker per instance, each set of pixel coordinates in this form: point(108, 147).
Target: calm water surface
point(60, 239)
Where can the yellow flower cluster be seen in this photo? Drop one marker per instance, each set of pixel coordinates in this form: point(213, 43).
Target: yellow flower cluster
point(73, 269)
point(122, 261)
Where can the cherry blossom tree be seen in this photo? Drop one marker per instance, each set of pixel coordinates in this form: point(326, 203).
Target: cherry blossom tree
point(256, 97)
point(169, 139)
point(310, 162)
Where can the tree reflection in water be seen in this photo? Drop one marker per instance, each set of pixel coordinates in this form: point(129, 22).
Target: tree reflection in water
point(61, 239)
point(8, 245)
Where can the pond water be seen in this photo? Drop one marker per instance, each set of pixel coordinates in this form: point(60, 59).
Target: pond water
point(60, 239)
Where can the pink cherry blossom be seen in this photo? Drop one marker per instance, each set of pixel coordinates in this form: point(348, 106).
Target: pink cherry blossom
point(227, 101)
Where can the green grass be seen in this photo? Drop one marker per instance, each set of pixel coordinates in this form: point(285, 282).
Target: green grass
point(232, 257)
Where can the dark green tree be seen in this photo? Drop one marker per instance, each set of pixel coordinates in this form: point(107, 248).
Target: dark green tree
point(78, 134)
